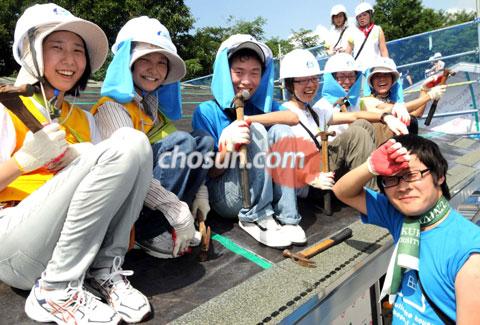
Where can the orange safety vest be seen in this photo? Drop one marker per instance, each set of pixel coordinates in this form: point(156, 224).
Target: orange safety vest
point(141, 121)
point(77, 130)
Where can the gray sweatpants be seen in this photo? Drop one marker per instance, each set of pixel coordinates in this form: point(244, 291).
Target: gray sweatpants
point(79, 219)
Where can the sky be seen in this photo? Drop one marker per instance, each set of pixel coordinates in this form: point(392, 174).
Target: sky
point(283, 16)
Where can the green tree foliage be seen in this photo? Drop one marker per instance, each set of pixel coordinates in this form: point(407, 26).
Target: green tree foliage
point(304, 38)
point(110, 15)
point(277, 44)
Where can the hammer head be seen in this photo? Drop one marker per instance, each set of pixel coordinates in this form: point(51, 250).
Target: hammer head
point(325, 134)
point(299, 259)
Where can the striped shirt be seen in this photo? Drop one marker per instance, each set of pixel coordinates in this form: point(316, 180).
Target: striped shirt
point(111, 116)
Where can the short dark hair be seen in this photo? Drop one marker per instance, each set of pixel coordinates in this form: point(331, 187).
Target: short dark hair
point(289, 85)
point(429, 154)
point(345, 19)
point(244, 55)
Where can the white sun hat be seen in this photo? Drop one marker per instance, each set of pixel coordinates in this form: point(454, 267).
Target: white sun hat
point(149, 36)
point(39, 21)
point(362, 7)
point(383, 65)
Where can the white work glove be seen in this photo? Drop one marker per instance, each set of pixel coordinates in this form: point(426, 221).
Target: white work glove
point(41, 147)
point(72, 152)
point(234, 135)
point(184, 232)
point(437, 92)
point(395, 125)
point(400, 111)
point(323, 181)
point(201, 202)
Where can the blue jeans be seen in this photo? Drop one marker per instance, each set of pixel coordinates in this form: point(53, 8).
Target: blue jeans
point(182, 180)
point(267, 197)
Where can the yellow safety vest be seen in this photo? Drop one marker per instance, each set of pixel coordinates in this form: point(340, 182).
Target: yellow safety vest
point(77, 130)
point(141, 121)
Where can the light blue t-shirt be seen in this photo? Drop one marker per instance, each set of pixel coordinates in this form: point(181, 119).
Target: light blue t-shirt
point(210, 117)
point(443, 251)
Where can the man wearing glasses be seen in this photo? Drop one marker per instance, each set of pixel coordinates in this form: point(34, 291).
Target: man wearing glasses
point(434, 273)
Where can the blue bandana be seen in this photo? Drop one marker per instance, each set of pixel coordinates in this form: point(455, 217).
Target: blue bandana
point(332, 90)
point(118, 84)
point(222, 87)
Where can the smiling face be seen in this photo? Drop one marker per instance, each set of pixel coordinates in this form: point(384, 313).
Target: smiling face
point(415, 198)
point(305, 88)
point(382, 82)
point(246, 73)
point(346, 79)
point(149, 71)
point(338, 20)
point(64, 60)
point(364, 19)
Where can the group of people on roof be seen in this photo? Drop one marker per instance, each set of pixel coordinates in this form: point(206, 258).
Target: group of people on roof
point(77, 193)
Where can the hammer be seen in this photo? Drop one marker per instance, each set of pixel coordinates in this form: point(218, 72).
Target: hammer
point(10, 98)
point(446, 73)
point(303, 257)
point(327, 196)
point(205, 241)
point(238, 104)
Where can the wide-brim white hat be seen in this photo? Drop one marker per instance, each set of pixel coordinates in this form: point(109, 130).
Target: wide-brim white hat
point(176, 66)
point(60, 20)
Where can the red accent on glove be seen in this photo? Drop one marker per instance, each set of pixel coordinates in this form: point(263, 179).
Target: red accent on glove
point(436, 80)
point(389, 159)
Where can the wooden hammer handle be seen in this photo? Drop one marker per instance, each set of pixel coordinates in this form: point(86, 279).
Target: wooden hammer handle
point(325, 244)
point(9, 97)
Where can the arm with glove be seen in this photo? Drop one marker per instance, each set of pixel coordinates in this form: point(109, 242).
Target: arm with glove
point(231, 139)
point(387, 160)
point(431, 90)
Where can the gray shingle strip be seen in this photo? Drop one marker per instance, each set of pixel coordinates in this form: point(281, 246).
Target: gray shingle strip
point(463, 142)
point(458, 174)
point(275, 293)
point(469, 159)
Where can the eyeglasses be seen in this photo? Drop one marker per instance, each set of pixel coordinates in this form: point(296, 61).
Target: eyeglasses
point(412, 176)
point(314, 80)
point(343, 77)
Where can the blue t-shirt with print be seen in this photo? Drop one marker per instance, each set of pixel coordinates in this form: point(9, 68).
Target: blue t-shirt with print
point(209, 117)
point(443, 251)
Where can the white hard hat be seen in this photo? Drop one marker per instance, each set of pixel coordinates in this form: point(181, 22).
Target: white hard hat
point(151, 36)
point(299, 63)
point(437, 55)
point(41, 20)
point(362, 7)
point(242, 41)
point(341, 62)
point(338, 9)
point(383, 65)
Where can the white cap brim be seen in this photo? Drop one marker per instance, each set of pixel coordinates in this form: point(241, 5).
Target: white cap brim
point(176, 66)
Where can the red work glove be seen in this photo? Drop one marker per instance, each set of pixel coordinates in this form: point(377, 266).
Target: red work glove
point(388, 159)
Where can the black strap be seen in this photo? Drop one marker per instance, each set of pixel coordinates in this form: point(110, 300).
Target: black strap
point(339, 38)
point(444, 317)
point(317, 144)
point(363, 44)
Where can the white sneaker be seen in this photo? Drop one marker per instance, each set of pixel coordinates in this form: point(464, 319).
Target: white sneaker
point(127, 301)
point(72, 305)
point(162, 245)
point(295, 233)
point(266, 231)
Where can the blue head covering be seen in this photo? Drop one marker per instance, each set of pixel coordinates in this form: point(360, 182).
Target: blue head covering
point(222, 87)
point(118, 84)
point(332, 90)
